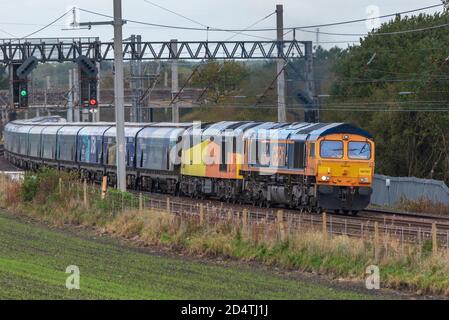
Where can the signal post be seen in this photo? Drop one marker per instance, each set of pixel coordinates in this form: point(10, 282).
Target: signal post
point(18, 73)
point(88, 80)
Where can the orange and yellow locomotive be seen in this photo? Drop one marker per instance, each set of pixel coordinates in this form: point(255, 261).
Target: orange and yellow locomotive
point(310, 166)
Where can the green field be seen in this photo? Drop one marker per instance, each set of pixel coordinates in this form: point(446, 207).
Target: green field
point(33, 260)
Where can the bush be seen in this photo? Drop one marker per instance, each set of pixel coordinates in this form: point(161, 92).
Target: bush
point(41, 185)
point(29, 188)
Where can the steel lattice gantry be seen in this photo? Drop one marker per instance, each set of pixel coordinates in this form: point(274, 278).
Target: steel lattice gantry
point(62, 51)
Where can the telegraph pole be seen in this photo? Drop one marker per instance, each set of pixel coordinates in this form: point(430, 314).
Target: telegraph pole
point(174, 81)
point(76, 90)
point(140, 80)
point(70, 98)
point(133, 82)
point(47, 88)
point(136, 78)
point(119, 94)
point(282, 117)
point(314, 115)
point(97, 114)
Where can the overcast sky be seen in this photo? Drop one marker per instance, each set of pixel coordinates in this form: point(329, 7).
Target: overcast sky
point(22, 17)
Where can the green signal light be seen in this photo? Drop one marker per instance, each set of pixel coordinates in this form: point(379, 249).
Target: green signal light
point(23, 93)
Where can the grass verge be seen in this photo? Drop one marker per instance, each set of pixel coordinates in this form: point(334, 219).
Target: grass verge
point(33, 260)
point(401, 266)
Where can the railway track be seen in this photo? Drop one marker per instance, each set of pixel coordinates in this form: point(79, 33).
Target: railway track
point(413, 215)
point(380, 215)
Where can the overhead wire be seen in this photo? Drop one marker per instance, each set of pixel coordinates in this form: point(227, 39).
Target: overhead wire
point(207, 29)
point(262, 29)
point(380, 33)
point(176, 13)
point(252, 25)
point(47, 25)
point(8, 33)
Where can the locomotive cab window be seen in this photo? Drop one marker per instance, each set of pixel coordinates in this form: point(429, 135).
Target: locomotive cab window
point(359, 150)
point(331, 149)
point(312, 150)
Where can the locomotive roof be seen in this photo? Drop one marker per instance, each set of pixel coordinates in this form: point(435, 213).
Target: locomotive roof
point(332, 128)
point(295, 129)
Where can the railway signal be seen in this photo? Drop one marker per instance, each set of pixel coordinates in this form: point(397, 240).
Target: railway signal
point(87, 66)
point(20, 75)
point(26, 67)
point(93, 102)
point(89, 82)
point(23, 93)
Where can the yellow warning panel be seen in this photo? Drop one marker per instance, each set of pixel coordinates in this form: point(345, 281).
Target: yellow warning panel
point(365, 171)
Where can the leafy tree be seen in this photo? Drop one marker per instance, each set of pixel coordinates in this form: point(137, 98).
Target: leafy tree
point(373, 79)
point(221, 79)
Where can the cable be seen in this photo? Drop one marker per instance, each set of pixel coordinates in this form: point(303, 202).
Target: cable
point(46, 26)
point(6, 32)
point(380, 33)
point(170, 27)
point(208, 27)
point(175, 13)
point(298, 107)
point(252, 25)
point(368, 19)
point(261, 29)
point(203, 25)
point(27, 24)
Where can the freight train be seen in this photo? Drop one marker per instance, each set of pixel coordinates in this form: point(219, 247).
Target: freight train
point(307, 166)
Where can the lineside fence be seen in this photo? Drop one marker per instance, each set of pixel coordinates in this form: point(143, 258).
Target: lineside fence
point(263, 221)
point(388, 191)
point(259, 222)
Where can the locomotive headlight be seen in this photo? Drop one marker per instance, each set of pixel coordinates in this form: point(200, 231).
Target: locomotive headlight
point(325, 178)
point(364, 180)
